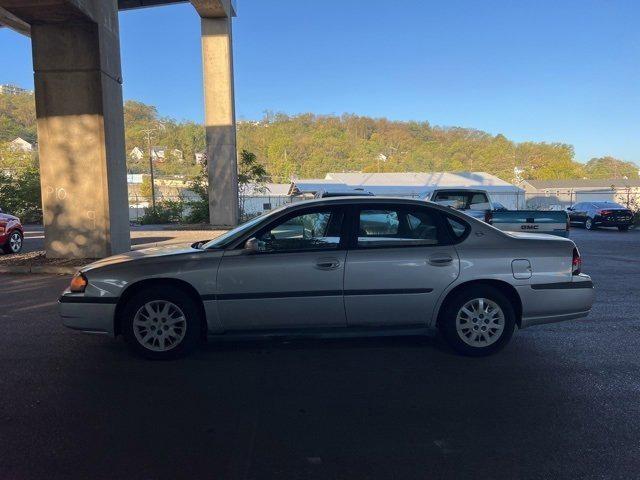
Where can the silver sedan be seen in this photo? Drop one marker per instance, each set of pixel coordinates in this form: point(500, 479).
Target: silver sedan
point(356, 265)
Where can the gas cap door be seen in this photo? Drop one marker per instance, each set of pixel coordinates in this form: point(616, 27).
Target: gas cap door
point(521, 269)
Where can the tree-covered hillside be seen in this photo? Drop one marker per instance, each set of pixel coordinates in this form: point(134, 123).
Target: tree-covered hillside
point(310, 145)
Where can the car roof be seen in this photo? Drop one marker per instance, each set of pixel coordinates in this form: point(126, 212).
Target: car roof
point(365, 199)
point(607, 203)
point(465, 190)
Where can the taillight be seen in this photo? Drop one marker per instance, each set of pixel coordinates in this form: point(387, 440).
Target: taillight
point(488, 217)
point(604, 212)
point(576, 263)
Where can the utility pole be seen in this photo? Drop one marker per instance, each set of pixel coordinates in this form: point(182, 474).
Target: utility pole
point(153, 186)
point(148, 133)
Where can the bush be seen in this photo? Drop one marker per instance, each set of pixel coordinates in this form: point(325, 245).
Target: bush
point(20, 194)
point(198, 212)
point(167, 211)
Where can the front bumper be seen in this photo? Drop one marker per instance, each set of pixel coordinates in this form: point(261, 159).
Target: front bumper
point(556, 302)
point(81, 313)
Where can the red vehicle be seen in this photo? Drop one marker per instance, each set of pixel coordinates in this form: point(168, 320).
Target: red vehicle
point(11, 233)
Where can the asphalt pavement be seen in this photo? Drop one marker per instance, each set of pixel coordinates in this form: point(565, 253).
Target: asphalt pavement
point(561, 401)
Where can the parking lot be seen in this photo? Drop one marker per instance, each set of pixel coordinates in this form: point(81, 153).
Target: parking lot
point(560, 400)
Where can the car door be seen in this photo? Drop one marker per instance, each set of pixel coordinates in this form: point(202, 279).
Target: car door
point(576, 214)
point(295, 279)
point(400, 260)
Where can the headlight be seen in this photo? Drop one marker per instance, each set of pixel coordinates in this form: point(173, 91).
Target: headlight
point(78, 283)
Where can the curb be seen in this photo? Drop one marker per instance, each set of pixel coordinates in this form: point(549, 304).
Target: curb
point(57, 270)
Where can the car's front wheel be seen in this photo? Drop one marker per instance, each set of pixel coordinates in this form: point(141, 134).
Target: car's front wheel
point(161, 323)
point(478, 321)
point(14, 243)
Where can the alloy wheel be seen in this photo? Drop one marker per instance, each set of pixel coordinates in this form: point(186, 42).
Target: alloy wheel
point(15, 242)
point(480, 322)
point(159, 325)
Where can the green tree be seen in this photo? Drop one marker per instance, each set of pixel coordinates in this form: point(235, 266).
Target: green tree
point(610, 167)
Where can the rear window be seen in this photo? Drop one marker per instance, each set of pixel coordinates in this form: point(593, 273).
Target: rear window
point(607, 205)
point(463, 200)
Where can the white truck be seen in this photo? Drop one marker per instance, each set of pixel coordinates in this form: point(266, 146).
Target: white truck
point(478, 204)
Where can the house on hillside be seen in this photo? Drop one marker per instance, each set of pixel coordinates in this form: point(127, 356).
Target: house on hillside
point(411, 184)
point(158, 154)
point(201, 158)
point(19, 144)
point(559, 194)
point(136, 153)
point(8, 89)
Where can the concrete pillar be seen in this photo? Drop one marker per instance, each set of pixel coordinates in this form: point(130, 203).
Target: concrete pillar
point(81, 133)
point(220, 121)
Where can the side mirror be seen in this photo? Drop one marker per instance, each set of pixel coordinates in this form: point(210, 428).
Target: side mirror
point(252, 245)
point(569, 209)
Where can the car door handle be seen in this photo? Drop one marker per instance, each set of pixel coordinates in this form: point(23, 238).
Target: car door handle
point(440, 260)
point(327, 263)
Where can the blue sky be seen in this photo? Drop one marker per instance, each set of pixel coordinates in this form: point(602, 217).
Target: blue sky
point(563, 70)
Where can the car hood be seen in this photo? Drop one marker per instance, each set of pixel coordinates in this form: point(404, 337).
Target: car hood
point(134, 255)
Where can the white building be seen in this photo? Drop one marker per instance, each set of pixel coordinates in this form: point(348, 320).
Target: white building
point(257, 199)
point(8, 89)
point(559, 194)
point(21, 145)
point(136, 153)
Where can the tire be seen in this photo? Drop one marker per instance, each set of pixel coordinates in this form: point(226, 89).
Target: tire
point(152, 327)
point(465, 335)
point(14, 243)
point(623, 228)
point(588, 224)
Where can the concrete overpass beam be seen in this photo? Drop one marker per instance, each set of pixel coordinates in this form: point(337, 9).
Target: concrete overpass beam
point(81, 131)
point(220, 121)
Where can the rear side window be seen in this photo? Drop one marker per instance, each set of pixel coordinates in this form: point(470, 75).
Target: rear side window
point(458, 229)
point(398, 226)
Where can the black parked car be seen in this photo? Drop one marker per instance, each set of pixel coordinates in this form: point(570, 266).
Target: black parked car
point(601, 214)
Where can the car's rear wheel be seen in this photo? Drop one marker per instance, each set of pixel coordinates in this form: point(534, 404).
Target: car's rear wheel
point(14, 243)
point(161, 323)
point(623, 228)
point(478, 321)
point(588, 223)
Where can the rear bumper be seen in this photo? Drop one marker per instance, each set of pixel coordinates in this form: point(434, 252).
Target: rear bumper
point(556, 302)
point(87, 316)
point(612, 223)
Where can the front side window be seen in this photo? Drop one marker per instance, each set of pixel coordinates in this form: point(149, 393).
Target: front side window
point(318, 230)
point(389, 227)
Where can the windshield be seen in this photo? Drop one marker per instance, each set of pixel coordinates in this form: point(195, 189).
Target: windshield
point(235, 233)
